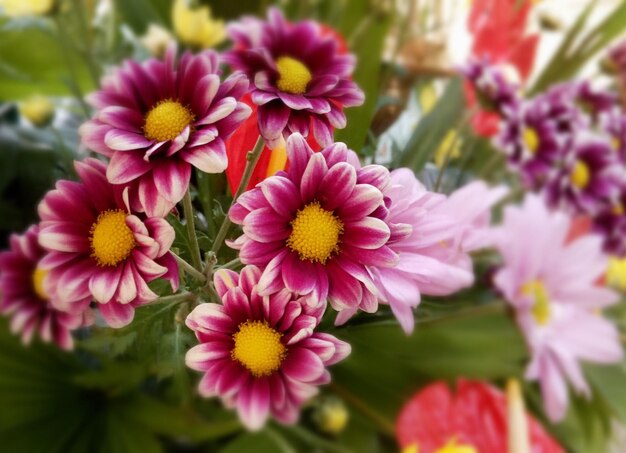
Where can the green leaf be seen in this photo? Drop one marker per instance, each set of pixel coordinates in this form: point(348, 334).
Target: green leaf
point(577, 49)
point(32, 61)
point(386, 367)
point(368, 49)
point(432, 129)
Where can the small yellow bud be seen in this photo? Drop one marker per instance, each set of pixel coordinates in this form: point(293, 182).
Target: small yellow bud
point(331, 416)
point(21, 8)
point(616, 273)
point(450, 148)
point(156, 40)
point(195, 26)
point(38, 110)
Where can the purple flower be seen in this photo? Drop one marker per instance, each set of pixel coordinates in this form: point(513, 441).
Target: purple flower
point(25, 290)
point(613, 123)
point(300, 78)
point(156, 120)
point(259, 354)
point(536, 134)
point(611, 224)
point(588, 179)
point(99, 249)
point(314, 228)
point(496, 88)
point(552, 285)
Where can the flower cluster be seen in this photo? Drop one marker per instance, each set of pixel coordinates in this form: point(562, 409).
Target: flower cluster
point(320, 235)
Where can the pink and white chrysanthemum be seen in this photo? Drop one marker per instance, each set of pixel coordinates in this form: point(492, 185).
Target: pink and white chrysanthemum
point(553, 286)
point(259, 354)
point(156, 120)
point(300, 77)
point(24, 294)
point(314, 228)
point(434, 257)
point(99, 249)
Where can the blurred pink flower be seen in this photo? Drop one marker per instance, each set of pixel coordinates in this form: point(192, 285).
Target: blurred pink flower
point(156, 120)
point(434, 258)
point(552, 285)
point(260, 354)
point(314, 228)
point(100, 249)
point(24, 294)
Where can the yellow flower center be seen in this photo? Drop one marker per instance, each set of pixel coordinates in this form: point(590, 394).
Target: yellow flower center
point(541, 306)
point(531, 139)
point(258, 348)
point(618, 209)
point(616, 143)
point(315, 233)
point(167, 120)
point(580, 175)
point(293, 75)
point(111, 239)
point(38, 277)
point(451, 447)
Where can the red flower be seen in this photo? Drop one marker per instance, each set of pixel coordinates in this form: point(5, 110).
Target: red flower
point(475, 416)
point(498, 27)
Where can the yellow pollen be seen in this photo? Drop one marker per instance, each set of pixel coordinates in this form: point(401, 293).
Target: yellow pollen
point(616, 143)
point(166, 120)
point(580, 175)
point(258, 348)
point(111, 239)
point(315, 233)
point(618, 209)
point(293, 75)
point(531, 139)
point(39, 276)
point(541, 306)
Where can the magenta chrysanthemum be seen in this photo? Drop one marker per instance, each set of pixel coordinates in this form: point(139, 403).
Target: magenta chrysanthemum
point(25, 290)
point(98, 249)
point(299, 76)
point(553, 286)
point(260, 354)
point(156, 120)
point(315, 228)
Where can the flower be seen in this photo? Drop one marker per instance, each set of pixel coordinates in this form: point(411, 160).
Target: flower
point(260, 354)
point(613, 123)
point(536, 134)
point(156, 40)
point(155, 121)
point(552, 285)
point(314, 228)
point(20, 8)
point(25, 288)
point(610, 223)
point(433, 256)
point(472, 419)
point(98, 248)
point(300, 78)
point(589, 178)
point(38, 110)
point(195, 26)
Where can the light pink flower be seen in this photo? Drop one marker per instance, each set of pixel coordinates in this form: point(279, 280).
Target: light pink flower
point(314, 228)
point(99, 249)
point(24, 294)
point(157, 119)
point(260, 354)
point(433, 258)
point(553, 286)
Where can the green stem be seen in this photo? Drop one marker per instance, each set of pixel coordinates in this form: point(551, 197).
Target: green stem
point(385, 426)
point(231, 264)
point(175, 298)
point(253, 158)
point(189, 269)
point(317, 441)
point(191, 232)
